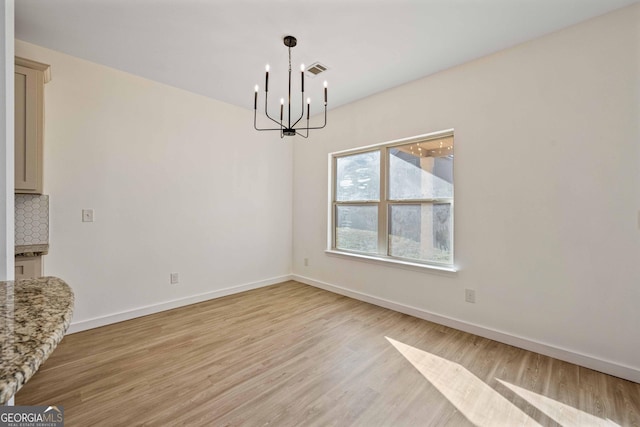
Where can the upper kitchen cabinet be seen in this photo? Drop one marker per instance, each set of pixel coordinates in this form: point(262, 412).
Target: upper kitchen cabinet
point(30, 77)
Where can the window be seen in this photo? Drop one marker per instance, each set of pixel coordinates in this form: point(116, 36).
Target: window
point(394, 201)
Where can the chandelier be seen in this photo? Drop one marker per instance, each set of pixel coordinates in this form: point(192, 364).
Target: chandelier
point(286, 127)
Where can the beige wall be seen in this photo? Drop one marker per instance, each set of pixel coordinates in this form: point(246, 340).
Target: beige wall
point(179, 183)
point(547, 194)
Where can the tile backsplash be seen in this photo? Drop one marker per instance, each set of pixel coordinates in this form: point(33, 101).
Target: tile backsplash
point(32, 219)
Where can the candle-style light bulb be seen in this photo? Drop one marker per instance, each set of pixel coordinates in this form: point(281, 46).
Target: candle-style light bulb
point(325, 92)
point(301, 67)
point(266, 79)
point(255, 99)
point(308, 107)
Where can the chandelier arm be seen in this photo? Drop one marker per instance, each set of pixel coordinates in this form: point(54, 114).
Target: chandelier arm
point(299, 118)
point(301, 111)
point(280, 129)
point(255, 126)
point(266, 113)
point(325, 120)
point(307, 129)
point(261, 129)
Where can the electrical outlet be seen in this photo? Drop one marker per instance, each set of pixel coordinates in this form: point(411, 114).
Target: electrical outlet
point(175, 278)
point(87, 215)
point(470, 296)
point(306, 262)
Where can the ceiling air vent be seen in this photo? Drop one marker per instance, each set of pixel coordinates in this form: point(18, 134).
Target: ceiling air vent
point(317, 68)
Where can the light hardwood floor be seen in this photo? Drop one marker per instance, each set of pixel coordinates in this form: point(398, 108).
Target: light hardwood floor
point(294, 355)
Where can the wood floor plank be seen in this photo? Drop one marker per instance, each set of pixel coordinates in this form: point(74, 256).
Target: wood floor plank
point(291, 355)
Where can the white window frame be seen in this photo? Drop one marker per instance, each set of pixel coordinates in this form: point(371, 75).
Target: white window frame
point(384, 206)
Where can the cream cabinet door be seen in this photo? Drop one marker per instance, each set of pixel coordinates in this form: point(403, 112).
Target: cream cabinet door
point(28, 267)
point(29, 120)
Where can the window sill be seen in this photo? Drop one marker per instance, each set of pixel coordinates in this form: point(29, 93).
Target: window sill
point(392, 262)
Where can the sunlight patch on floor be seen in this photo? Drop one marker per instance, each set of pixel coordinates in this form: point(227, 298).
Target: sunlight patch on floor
point(478, 402)
point(562, 414)
point(484, 406)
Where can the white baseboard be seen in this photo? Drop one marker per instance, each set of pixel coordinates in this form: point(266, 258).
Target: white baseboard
point(608, 367)
point(96, 322)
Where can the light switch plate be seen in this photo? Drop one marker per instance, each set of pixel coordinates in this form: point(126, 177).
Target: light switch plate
point(174, 278)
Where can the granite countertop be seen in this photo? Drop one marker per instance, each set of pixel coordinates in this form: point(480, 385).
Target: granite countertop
point(34, 315)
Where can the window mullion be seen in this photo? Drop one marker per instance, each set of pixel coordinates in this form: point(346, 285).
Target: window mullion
point(383, 234)
point(334, 197)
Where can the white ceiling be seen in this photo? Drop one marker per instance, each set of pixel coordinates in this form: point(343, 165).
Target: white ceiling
point(218, 48)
